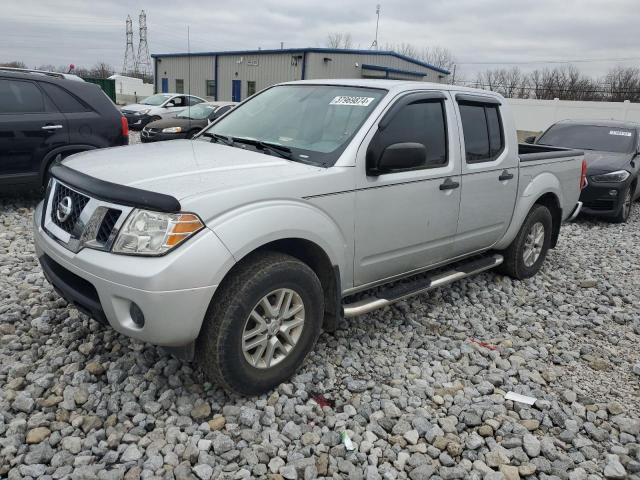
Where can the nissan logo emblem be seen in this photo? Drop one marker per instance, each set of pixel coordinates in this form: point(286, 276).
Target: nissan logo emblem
point(65, 207)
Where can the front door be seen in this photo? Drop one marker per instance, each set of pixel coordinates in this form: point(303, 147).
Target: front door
point(489, 175)
point(30, 127)
point(235, 90)
point(407, 220)
point(165, 85)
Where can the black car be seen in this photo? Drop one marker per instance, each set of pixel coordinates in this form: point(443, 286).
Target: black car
point(186, 123)
point(611, 149)
point(45, 117)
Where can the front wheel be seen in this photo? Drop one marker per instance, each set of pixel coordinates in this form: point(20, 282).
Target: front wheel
point(261, 324)
point(526, 254)
point(625, 209)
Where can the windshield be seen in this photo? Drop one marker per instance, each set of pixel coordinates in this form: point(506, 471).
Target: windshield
point(314, 122)
point(197, 112)
point(589, 137)
point(155, 100)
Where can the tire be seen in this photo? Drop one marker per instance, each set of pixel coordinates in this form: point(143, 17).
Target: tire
point(219, 347)
point(625, 208)
point(515, 264)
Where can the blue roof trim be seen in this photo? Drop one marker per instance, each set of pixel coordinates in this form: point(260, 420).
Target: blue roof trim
point(392, 70)
point(308, 50)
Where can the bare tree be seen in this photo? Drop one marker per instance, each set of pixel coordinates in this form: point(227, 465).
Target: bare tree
point(14, 64)
point(437, 56)
point(339, 40)
point(102, 70)
point(622, 83)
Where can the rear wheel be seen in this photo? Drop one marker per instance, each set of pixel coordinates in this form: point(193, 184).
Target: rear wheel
point(526, 254)
point(261, 324)
point(625, 209)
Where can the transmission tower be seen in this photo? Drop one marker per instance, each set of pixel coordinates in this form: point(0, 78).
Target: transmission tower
point(129, 64)
point(143, 61)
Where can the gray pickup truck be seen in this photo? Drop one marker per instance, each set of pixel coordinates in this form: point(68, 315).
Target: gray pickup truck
point(238, 247)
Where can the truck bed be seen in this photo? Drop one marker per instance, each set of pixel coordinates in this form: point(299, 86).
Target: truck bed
point(529, 152)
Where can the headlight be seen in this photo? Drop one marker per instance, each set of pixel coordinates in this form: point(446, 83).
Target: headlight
point(155, 233)
point(172, 130)
point(618, 176)
point(143, 112)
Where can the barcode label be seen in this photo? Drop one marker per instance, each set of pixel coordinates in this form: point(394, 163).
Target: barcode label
point(352, 101)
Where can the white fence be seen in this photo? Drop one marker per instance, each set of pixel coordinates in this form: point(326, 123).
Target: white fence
point(537, 115)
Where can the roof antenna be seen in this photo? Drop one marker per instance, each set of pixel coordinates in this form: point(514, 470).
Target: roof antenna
point(374, 45)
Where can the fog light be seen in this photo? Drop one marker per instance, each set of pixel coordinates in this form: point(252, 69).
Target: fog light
point(613, 193)
point(136, 315)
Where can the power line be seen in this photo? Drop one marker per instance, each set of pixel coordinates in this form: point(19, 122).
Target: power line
point(543, 62)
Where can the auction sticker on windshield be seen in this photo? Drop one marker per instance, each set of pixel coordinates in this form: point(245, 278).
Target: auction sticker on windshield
point(352, 101)
point(622, 133)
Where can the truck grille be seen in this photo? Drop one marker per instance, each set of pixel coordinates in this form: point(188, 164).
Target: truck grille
point(107, 225)
point(77, 220)
point(76, 201)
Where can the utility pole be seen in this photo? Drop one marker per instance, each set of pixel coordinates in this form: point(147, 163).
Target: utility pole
point(374, 45)
point(129, 63)
point(143, 64)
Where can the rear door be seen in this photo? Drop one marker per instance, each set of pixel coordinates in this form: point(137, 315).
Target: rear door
point(489, 174)
point(85, 126)
point(30, 127)
point(407, 220)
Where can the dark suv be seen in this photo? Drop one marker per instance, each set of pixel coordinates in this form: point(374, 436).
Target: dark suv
point(45, 117)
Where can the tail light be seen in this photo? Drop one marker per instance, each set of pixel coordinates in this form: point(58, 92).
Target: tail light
point(583, 174)
point(124, 127)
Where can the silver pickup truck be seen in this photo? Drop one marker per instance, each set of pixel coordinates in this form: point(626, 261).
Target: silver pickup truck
point(238, 247)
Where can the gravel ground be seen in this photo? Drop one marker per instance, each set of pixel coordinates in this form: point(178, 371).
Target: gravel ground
point(418, 387)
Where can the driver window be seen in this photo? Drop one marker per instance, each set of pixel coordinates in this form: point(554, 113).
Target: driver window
point(420, 122)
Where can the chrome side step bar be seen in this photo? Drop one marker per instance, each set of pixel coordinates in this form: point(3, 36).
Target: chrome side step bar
point(392, 295)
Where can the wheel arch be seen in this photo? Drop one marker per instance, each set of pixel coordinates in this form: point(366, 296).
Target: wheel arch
point(65, 151)
point(552, 202)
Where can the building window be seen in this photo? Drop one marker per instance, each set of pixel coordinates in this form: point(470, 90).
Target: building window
point(251, 88)
point(179, 85)
point(211, 88)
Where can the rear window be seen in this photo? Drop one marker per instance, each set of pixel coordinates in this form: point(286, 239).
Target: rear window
point(590, 137)
point(20, 97)
point(482, 130)
point(63, 99)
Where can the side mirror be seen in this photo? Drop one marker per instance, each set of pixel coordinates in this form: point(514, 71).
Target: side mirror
point(169, 104)
point(530, 139)
point(398, 156)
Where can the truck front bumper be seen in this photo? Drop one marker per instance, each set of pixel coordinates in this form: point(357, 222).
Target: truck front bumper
point(170, 293)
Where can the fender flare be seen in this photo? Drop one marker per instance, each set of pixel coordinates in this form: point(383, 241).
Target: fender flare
point(250, 227)
point(50, 156)
point(537, 187)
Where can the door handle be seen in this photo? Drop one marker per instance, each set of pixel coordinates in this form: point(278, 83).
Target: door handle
point(505, 175)
point(449, 184)
point(52, 127)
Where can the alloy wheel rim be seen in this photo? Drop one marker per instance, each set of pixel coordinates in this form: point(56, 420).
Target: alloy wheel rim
point(273, 328)
point(533, 244)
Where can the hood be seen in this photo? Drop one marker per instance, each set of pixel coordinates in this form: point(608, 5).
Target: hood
point(604, 162)
point(186, 168)
point(135, 107)
point(178, 122)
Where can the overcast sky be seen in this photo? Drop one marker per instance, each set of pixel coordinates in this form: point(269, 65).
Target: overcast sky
point(85, 32)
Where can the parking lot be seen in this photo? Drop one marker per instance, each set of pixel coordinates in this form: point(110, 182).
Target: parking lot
point(418, 387)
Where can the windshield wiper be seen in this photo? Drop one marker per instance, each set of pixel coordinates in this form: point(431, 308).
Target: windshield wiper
point(223, 139)
point(279, 150)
